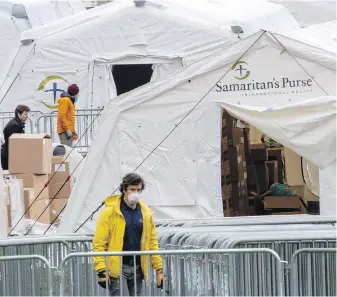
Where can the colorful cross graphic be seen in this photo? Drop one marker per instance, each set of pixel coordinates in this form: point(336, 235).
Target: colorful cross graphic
point(54, 90)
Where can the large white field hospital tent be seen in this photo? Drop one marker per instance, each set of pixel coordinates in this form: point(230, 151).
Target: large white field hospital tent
point(19, 16)
point(87, 48)
point(283, 87)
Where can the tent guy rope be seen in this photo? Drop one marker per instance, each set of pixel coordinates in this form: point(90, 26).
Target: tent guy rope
point(298, 63)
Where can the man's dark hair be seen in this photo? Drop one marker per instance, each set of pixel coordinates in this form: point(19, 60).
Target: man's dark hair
point(20, 109)
point(131, 179)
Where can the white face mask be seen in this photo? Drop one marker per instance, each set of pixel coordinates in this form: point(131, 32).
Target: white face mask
point(133, 198)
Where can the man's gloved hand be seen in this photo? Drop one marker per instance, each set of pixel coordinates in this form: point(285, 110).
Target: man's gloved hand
point(75, 136)
point(69, 134)
point(160, 279)
point(102, 279)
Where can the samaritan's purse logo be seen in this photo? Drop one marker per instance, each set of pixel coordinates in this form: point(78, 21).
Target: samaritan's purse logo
point(243, 72)
point(54, 89)
point(259, 88)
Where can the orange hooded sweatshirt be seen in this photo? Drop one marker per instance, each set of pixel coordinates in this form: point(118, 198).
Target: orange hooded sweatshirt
point(66, 114)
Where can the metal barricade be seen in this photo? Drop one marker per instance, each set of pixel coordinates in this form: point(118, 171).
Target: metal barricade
point(273, 233)
point(53, 248)
point(313, 272)
point(25, 276)
point(87, 122)
point(11, 114)
point(204, 272)
point(29, 127)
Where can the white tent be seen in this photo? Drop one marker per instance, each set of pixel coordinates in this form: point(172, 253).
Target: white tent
point(281, 86)
point(19, 16)
point(84, 48)
point(322, 35)
point(310, 12)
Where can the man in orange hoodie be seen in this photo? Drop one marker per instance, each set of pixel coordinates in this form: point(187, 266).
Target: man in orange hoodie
point(66, 115)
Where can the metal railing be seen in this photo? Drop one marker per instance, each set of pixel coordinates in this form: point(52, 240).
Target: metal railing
point(29, 275)
point(254, 274)
point(29, 127)
point(87, 121)
point(204, 272)
point(63, 266)
point(313, 272)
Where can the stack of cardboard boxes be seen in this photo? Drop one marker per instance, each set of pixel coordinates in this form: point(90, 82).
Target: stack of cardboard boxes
point(249, 169)
point(263, 170)
point(233, 167)
point(45, 179)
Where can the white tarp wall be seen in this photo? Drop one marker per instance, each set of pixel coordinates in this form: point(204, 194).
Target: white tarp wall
point(10, 31)
point(269, 89)
point(17, 17)
point(83, 48)
point(310, 12)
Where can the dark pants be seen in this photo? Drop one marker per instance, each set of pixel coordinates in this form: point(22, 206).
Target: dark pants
point(127, 279)
point(4, 161)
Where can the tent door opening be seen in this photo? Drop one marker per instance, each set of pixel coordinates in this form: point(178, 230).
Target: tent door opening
point(131, 76)
point(260, 176)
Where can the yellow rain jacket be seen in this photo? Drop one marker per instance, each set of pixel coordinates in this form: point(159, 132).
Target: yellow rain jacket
point(66, 115)
point(109, 237)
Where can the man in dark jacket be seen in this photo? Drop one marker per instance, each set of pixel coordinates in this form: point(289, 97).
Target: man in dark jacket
point(14, 126)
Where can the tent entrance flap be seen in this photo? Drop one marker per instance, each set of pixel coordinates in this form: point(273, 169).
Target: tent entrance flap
point(129, 77)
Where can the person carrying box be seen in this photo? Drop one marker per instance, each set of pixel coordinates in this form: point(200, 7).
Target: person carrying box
point(14, 126)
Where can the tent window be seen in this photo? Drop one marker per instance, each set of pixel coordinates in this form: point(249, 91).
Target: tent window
point(129, 77)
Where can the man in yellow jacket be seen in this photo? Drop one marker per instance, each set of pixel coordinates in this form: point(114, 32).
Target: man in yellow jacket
point(66, 115)
point(126, 224)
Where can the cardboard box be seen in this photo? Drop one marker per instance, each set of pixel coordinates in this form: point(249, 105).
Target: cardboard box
point(259, 152)
point(59, 182)
point(242, 151)
point(60, 190)
point(272, 171)
point(262, 176)
point(227, 206)
point(286, 213)
point(233, 171)
point(252, 179)
point(235, 137)
point(282, 202)
point(57, 159)
point(28, 199)
point(242, 170)
point(224, 144)
point(255, 135)
point(227, 119)
point(246, 141)
point(276, 154)
point(239, 198)
point(47, 213)
point(30, 153)
point(35, 182)
point(293, 168)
